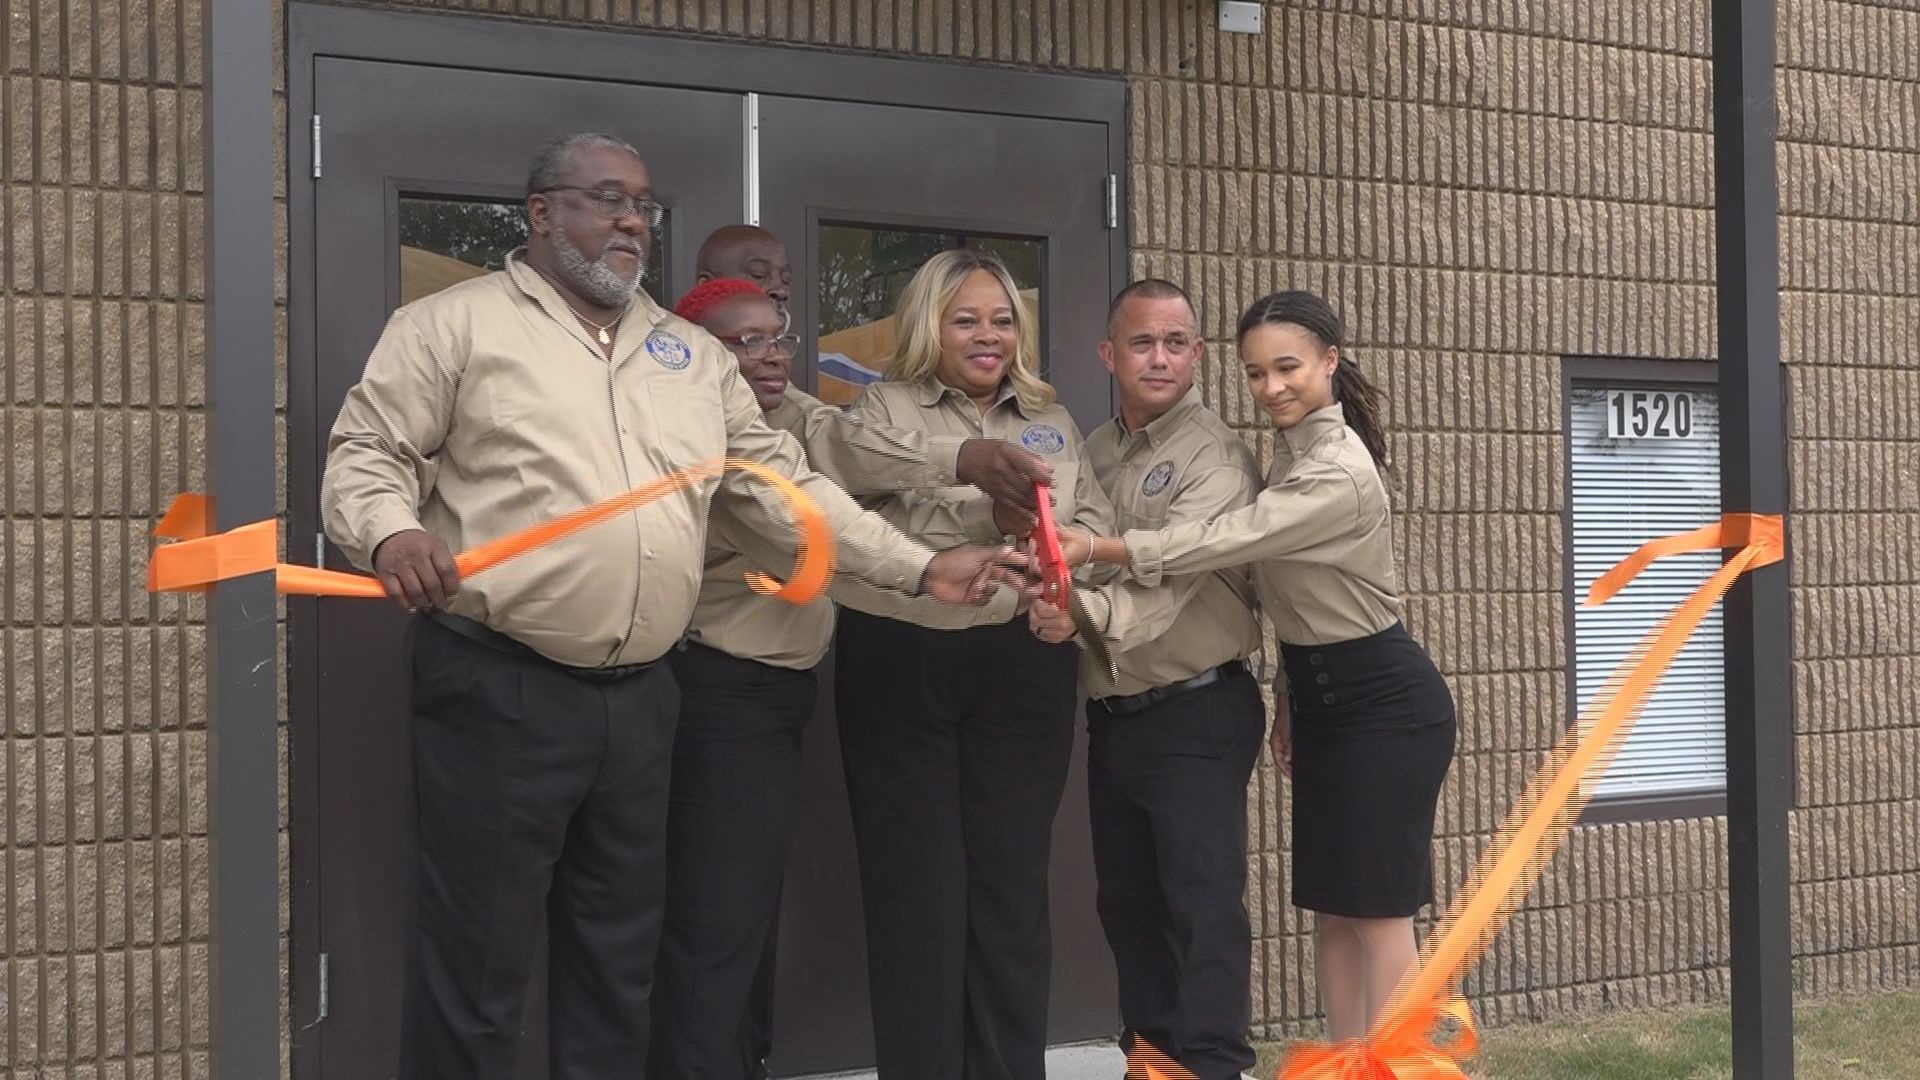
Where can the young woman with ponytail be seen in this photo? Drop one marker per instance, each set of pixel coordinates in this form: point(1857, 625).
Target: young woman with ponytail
point(1366, 724)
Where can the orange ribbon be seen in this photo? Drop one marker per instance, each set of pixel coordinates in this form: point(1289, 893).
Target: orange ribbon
point(1422, 1043)
point(197, 559)
point(1409, 1040)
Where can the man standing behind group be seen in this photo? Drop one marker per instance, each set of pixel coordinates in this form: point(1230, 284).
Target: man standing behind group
point(750, 253)
point(747, 689)
point(541, 716)
point(1172, 745)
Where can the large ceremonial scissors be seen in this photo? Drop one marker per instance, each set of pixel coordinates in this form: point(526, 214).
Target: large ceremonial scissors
point(1056, 580)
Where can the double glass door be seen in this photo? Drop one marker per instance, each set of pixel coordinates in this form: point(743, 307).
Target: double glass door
point(422, 185)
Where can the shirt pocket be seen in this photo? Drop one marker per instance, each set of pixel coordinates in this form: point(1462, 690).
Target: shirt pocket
point(1148, 514)
point(682, 424)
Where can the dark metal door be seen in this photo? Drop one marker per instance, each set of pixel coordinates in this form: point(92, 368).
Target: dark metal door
point(862, 194)
point(422, 172)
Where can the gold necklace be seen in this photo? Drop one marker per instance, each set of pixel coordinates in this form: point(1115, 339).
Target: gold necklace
point(605, 338)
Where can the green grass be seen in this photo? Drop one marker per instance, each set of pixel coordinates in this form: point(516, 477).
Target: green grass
point(1866, 1038)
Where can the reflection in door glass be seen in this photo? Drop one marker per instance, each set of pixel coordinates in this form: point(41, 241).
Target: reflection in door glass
point(446, 241)
point(862, 273)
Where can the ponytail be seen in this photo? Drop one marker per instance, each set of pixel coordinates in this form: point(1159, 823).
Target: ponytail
point(1362, 402)
point(1364, 405)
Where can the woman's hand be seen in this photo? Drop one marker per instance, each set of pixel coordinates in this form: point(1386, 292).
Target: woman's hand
point(1281, 740)
point(969, 574)
point(1076, 547)
point(1050, 624)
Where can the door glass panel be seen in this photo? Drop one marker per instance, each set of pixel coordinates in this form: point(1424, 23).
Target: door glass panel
point(863, 270)
point(444, 241)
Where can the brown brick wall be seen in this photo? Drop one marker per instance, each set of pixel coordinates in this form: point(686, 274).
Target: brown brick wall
point(1849, 150)
point(103, 853)
point(1485, 188)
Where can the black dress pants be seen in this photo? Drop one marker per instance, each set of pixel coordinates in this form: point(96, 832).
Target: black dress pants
point(736, 774)
point(541, 794)
point(956, 746)
point(1167, 802)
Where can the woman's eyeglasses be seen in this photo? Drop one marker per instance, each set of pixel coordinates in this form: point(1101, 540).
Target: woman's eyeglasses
point(757, 346)
point(613, 204)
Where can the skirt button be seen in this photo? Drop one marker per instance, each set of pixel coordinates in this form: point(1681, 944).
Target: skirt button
point(1326, 699)
point(1323, 678)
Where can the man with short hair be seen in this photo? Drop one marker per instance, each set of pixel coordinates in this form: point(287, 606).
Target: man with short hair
point(1172, 745)
point(748, 252)
point(542, 716)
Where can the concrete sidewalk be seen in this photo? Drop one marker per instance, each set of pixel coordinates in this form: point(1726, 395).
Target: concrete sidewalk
point(1094, 1061)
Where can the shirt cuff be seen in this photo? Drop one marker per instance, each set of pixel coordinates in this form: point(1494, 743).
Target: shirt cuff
point(380, 526)
point(1143, 555)
point(943, 457)
point(906, 572)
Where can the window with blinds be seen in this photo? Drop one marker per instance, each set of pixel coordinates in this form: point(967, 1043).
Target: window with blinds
point(1644, 462)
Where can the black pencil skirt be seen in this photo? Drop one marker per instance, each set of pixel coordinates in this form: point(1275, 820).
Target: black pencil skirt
point(1373, 737)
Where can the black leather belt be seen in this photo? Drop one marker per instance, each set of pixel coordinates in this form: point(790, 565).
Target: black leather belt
point(493, 639)
point(1129, 704)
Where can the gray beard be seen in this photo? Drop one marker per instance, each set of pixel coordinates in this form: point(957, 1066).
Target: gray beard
point(595, 280)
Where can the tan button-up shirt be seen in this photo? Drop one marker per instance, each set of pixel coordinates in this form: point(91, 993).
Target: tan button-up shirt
point(1185, 467)
point(486, 408)
point(865, 459)
point(1318, 539)
point(950, 516)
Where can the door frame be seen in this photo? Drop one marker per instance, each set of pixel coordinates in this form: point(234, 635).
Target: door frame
point(608, 54)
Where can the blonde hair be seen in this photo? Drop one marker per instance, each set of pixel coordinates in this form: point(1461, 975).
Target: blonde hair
point(923, 311)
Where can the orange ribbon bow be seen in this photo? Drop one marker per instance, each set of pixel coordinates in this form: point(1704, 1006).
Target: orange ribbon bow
point(1426, 1031)
point(196, 559)
point(1421, 1045)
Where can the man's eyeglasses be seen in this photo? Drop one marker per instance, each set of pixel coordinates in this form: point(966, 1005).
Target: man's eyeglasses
point(614, 204)
point(757, 346)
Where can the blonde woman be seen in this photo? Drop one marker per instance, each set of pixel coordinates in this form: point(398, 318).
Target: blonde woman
point(956, 744)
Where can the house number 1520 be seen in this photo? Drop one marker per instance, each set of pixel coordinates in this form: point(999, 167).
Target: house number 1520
point(1649, 414)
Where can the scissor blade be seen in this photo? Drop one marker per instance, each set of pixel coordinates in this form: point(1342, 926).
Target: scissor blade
point(1090, 637)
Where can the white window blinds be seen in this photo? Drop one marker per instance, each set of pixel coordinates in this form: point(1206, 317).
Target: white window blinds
point(1645, 464)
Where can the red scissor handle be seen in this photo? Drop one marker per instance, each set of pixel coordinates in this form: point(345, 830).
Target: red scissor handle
point(1056, 578)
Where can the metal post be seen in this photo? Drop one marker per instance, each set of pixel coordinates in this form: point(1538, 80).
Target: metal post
point(1753, 472)
point(245, 769)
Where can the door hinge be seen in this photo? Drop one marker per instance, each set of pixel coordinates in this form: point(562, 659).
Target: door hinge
point(316, 146)
point(1113, 201)
point(320, 551)
point(323, 987)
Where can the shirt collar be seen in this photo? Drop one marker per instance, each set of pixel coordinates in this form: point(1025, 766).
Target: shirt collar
point(1318, 425)
point(641, 317)
point(930, 391)
point(1161, 427)
point(786, 415)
